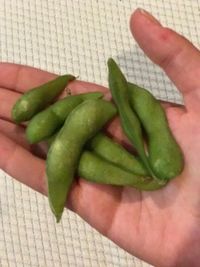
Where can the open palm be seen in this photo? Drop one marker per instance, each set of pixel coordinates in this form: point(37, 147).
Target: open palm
point(161, 227)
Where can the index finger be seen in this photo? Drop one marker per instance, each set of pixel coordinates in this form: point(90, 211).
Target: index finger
point(19, 79)
point(22, 78)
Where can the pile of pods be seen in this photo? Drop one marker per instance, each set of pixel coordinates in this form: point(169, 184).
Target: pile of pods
point(78, 145)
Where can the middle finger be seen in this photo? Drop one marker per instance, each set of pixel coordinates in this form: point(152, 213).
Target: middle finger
point(14, 132)
point(17, 134)
point(7, 100)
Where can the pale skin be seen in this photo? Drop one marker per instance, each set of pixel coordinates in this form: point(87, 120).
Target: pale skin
point(161, 227)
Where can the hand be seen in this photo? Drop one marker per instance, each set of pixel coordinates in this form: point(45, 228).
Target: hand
point(160, 227)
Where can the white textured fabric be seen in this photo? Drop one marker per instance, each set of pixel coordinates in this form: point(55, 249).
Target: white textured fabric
point(78, 37)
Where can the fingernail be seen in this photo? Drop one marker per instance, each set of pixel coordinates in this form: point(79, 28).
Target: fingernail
point(148, 16)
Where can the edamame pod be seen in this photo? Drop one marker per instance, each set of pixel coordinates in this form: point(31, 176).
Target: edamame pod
point(165, 155)
point(95, 169)
point(112, 158)
point(38, 98)
point(45, 123)
point(64, 153)
point(129, 120)
point(115, 153)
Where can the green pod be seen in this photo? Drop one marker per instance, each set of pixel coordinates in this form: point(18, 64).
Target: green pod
point(165, 155)
point(115, 153)
point(95, 169)
point(38, 98)
point(129, 120)
point(115, 160)
point(64, 153)
point(50, 139)
point(47, 122)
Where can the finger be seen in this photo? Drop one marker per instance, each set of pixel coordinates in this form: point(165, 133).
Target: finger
point(21, 78)
point(7, 100)
point(17, 134)
point(14, 132)
point(22, 165)
point(176, 55)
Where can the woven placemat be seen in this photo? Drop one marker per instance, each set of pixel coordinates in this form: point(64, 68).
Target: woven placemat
point(77, 36)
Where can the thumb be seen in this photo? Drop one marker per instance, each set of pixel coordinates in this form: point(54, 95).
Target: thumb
point(175, 54)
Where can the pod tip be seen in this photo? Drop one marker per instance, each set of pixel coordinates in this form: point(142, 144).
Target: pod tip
point(110, 61)
point(58, 217)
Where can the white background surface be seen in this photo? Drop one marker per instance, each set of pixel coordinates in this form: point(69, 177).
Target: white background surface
point(78, 37)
